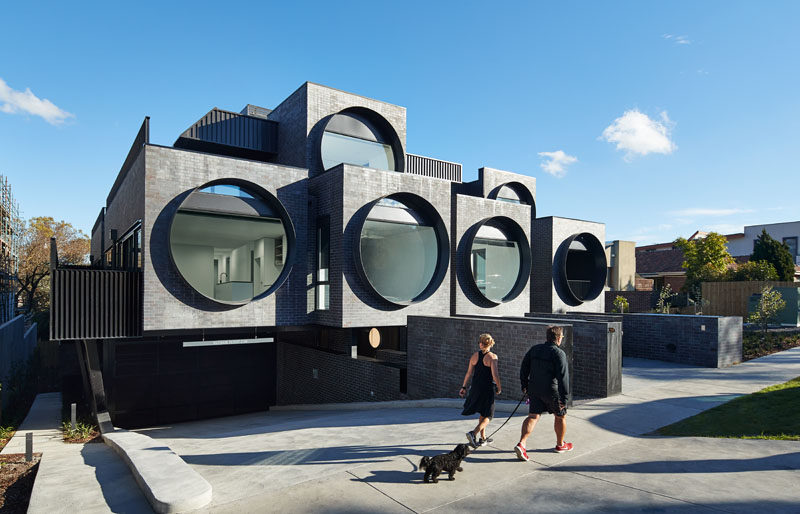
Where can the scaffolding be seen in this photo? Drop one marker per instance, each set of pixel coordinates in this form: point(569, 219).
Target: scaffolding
point(10, 232)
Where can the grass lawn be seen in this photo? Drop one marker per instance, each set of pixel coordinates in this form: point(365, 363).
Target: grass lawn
point(772, 413)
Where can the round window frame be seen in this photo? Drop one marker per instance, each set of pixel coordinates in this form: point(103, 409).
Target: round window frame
point(598, 281)
point(522, 191)
point(428, 212)
point(273, 202)
point(514, 232)
point(374, 121)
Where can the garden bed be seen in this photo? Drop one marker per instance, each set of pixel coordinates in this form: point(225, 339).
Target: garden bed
point(755, 345)
point(16, 481)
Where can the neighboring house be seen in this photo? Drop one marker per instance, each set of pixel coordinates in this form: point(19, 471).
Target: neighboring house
point(232, 270)
point(788, 232)
point(662, 262)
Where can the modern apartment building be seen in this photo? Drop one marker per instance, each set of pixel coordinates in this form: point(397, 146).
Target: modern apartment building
point(305, 234)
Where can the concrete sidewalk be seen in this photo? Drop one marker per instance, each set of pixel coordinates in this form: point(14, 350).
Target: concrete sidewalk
point(366, 461)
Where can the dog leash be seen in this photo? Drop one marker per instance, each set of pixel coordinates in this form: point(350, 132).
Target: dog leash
point(509, 417)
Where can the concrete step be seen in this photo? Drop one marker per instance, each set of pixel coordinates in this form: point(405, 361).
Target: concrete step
point(169, 484)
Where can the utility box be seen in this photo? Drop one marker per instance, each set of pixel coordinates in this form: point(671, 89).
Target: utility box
point(790, 314)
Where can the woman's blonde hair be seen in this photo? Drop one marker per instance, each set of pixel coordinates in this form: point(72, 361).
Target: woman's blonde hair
point(487, 340)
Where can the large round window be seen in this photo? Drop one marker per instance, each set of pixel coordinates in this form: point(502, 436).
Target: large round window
point(360, 137)
point(499, 258)
point(403, 248)
point(230, 242)
point(580, 269)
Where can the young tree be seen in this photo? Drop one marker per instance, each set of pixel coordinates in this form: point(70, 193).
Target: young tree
point(34, 258)
point(769, 305)
point(754, 270)
point(706, 259)
point(664, 296)
point(621, 305)
point(775, 252)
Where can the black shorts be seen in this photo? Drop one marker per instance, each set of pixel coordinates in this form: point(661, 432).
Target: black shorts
point(543, 403)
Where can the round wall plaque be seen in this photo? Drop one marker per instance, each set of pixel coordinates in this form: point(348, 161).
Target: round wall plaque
point(374, 337)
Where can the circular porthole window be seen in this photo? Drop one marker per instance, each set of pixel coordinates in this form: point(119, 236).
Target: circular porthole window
point(499, 259)
point(403, 249)
point(580, 269)
point(360, 137)
point(231, 241)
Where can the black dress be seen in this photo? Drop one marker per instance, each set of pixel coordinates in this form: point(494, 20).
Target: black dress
point(481, 392)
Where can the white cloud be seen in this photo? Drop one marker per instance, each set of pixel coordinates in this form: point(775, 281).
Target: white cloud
point(556, 162)
point(12, 102)
point(702, 211)
point(722, 228)
point(678, 40)
point(636, 133)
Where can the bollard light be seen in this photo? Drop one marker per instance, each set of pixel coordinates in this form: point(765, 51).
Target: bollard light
point(29, 447)
point(73, 410)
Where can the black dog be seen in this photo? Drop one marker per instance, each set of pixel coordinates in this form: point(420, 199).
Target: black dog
point(450, 462)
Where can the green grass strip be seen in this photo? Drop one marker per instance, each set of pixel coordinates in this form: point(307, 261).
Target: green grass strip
point(772, 413)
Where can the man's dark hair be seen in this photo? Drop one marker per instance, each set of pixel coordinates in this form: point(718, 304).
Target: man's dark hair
point(553, 333)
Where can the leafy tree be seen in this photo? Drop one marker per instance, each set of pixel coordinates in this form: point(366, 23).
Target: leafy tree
point(753, 270)
point(620, 304)
point(33, 282)
point(775, 252)
point(705, 259)
point(769, 305)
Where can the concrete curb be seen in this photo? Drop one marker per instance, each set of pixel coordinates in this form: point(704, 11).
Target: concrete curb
point(169, 484)
point(437, 403)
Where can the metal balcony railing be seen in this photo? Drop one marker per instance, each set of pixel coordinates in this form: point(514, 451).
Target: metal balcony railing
point(425, 166)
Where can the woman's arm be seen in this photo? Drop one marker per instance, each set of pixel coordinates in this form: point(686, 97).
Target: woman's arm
point(496, 374)
point(470, 369)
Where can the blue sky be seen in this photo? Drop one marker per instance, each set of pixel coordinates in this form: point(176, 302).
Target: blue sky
point(657, 119)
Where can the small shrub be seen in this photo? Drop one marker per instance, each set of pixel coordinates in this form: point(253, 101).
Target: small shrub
point(753, 271)
point(82, 432)
point(769, 305)
point(620, 305)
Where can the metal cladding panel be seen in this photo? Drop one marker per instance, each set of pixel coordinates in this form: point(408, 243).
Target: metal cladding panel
point(95, 304)
point(427, 167)
point(237, 130)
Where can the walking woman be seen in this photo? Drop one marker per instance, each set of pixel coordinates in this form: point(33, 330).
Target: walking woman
point(480, 399)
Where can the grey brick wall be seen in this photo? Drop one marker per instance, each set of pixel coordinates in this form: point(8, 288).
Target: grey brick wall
point(492, 179)
point(710, 341)
point(596, 356)
point(300, 115)
point(97, 243)
point(170, 303)
point(469, 211)
point(128, 204)
point(638, 301)
point(340, 378)
point(548, 234)
point(439, 350)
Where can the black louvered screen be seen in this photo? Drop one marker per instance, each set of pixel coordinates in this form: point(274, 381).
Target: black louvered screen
point(95, 304)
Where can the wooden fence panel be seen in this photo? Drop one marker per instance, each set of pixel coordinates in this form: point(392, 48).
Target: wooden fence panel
point(730, 298)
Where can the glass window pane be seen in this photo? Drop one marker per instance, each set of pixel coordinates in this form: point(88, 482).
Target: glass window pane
point(227, 257)
point(399, 259)
point(495, 266)
point(337, 149)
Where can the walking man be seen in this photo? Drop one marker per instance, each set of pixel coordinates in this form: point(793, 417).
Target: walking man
point(545, 378)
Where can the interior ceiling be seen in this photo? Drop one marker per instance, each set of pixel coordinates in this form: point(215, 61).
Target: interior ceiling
point(222, 232)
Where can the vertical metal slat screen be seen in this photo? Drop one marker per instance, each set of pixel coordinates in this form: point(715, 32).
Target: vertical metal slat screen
point(95, 304)
point(427, 167)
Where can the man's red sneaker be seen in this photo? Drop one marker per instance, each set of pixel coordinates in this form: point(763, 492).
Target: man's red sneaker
point(522, 454)
point(566, 447)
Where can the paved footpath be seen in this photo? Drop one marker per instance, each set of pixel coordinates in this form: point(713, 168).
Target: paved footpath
point(366, 461)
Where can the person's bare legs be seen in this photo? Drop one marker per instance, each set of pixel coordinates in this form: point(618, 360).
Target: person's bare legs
point(527, 428)
point(480, 429)
point(560, 425)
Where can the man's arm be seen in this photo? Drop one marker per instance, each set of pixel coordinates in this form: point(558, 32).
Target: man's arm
point(525, 371)
point(562, 375)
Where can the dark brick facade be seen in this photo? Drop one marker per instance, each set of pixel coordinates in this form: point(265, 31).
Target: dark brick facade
point(638, 301)
point(339, 378)
point(439, 350)
point(710, 341)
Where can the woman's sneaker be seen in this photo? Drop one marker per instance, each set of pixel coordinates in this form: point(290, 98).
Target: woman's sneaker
point(472, 441)
point(522, 454)
point(484, 442)
point(566, 447)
